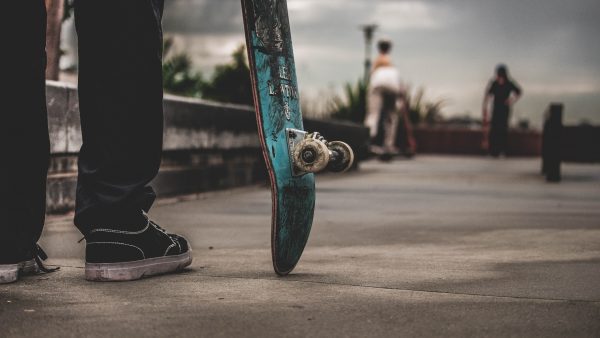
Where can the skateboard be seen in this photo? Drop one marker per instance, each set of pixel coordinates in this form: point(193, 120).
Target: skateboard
point(292, 155)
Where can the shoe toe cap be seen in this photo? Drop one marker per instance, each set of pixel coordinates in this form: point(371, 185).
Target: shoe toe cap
point(183, 243)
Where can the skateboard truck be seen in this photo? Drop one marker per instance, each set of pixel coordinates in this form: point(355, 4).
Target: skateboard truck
point(312, 153)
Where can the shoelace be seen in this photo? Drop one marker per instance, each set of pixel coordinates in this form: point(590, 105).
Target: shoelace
point(147, 219)
point(173, 238)
point(157, 227)
point(40, 255)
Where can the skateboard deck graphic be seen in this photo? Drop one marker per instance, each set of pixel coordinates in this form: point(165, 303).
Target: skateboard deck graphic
point(278, 115)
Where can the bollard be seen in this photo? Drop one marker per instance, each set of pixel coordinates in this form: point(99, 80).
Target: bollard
point(551, 143)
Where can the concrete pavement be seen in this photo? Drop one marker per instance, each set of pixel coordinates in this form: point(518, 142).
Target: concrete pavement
point(436, 246)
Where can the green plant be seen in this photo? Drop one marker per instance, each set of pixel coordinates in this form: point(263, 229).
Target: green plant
point(178, 77)
point(353, 105)
point(231, 82)
point(415, 105)
point(422, 110)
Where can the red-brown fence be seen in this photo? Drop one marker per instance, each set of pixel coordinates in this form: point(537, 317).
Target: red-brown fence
point(465, 141)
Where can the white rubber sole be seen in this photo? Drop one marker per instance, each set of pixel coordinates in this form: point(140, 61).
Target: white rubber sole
point(128, 271)
point(9, 273)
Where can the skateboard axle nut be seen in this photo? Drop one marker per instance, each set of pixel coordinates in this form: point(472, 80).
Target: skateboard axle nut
point(309, 156)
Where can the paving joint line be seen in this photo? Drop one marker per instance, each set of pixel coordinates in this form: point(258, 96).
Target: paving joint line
point(384, 288)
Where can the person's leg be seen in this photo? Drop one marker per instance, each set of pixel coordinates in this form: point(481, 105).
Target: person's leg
point(24, 140)
point(503, 134)
point(373, 120)
point(493, 145)
point(374, 106)
point(120, 97)
point(501, 130)
point(390, 124)
point(498, 126)
point(390, 131)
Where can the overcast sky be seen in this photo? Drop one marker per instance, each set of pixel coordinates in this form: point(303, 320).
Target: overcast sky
point(449, 47)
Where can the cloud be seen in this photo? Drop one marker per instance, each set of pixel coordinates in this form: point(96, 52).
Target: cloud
point(450, 47)
point(203, 17)
point(407, 15)
point(206, 51)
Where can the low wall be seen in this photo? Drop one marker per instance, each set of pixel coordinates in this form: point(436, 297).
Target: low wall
point(207, 146)
point(464, 141)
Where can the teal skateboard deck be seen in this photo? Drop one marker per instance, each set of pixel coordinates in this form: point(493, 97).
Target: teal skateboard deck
point(279, 120)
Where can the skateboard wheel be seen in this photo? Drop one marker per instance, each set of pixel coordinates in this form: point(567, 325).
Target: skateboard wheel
point(311, 155)
point(341, 158)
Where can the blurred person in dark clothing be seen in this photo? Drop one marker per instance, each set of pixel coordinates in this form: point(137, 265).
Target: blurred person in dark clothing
point(503, 92)
point(120, 101)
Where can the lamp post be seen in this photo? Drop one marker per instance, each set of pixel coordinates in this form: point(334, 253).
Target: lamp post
point(369, 31)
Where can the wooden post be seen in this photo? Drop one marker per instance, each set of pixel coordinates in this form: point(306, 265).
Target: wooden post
point(55, 15)
point(551, 143)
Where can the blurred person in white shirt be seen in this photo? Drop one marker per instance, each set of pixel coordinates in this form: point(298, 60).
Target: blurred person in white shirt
point(386, 103)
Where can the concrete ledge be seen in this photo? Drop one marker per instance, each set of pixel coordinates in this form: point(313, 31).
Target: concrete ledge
point(207, 145)
point(199, 124)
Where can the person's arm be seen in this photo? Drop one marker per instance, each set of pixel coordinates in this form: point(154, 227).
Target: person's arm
point(516, 94)
point(486, 105)
point(486, 116)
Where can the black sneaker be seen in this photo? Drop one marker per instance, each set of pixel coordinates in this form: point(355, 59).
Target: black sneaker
point(117, 255)
point(28, 264)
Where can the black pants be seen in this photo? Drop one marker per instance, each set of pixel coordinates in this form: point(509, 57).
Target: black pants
point(388, 106)
point(498, 138)
point(120, 97)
